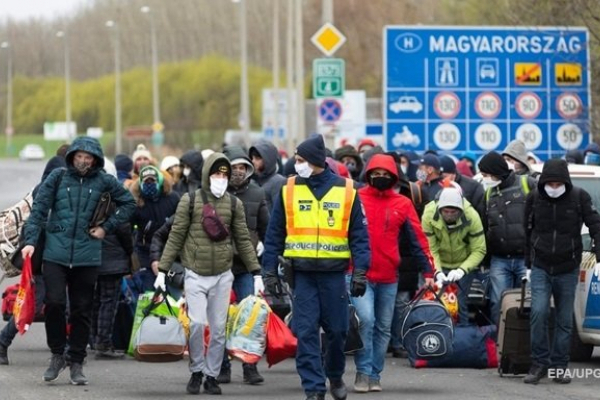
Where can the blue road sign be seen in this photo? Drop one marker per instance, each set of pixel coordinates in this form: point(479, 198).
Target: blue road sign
point(457, 89)
point(330, 110)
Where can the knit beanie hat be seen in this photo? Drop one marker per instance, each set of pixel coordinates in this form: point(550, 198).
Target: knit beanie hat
point(123, 163)
point(313, 150)
point(220, 165)
point(494, 164)
point(141, 151)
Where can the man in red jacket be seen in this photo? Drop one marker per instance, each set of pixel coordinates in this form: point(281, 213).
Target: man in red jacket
point(389, 216)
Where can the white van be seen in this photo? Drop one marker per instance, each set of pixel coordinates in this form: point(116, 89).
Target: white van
point(586, 332)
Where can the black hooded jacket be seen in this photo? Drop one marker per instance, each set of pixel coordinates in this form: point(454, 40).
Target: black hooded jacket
point(194, 160)
point(268, 179)
point(553, 225)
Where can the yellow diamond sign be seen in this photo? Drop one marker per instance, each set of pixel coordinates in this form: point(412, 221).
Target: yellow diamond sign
point(328, 39)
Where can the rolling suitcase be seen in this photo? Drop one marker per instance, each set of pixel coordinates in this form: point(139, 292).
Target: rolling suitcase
point(514, 341)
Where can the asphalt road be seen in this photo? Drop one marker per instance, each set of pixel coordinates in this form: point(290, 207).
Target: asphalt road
point(128, 379)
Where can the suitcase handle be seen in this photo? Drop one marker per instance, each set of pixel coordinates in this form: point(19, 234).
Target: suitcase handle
point(523, 294)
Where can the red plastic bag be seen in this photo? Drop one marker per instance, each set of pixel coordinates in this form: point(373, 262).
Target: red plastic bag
point(449, 297)
point(281, 342)
point(24, 311)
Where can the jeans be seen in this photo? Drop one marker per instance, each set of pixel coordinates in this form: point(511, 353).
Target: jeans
point(375, 312)
point(505, 273)
point(562, 287)
point(464, 285)
point(403, 297)
point(320, 300)
point(79, 282)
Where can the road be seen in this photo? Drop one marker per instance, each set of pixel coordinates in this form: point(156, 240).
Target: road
point(128, 379)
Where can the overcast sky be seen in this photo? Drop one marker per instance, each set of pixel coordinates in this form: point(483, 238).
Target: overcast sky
point(23, 9)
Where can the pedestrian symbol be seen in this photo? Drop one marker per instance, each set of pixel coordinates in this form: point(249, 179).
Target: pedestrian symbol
point(446, 71)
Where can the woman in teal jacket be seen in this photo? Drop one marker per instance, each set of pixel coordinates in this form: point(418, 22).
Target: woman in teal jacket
point(456, 241)
point(65, 205)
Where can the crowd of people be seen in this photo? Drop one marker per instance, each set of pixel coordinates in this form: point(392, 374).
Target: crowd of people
point(357, 224)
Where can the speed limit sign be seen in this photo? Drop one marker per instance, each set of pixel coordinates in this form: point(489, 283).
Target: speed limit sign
point(446, 105)
point(530, 134)
point(446, 136)
point(569, 136)
point(569, 105)
point(488, 136)
point(528, 105)
point(488, 105)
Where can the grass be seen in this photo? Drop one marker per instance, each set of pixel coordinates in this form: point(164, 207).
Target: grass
point(19, 141)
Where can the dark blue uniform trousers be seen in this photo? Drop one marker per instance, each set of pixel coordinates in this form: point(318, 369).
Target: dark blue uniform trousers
point(320, 300)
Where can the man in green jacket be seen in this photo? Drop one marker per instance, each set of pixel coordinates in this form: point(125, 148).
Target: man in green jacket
point(208, 276)
point(65, 205)
point(457, 242)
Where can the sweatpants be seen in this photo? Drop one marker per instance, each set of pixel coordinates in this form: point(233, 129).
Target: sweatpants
point(207, 300)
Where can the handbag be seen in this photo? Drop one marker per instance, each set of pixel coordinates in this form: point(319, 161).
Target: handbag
point(160, 338)
point(104, 208)
point(176, 275)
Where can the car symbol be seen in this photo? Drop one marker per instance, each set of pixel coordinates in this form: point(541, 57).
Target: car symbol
point(406, 103)
point(487, 71)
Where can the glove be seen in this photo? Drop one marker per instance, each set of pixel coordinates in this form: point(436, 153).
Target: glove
point(440, 278)
point(159, 282)
point(260, 249)
point(259, 287)
point(358, 285)
point(273, 284)
point(528, 274)
point(455, 275)
point(597, 269)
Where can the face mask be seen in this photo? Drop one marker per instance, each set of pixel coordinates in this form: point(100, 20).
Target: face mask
point(404, 169)
point(237, 178)
point(82, 167)
point(150, 190)
point(450, 217)
point(489, 183)
point(350, 166)
point(511, 165)
point(303, 169)
point(382, 182)
point(555, 192)
point(218, 186)
point(186, 172)
point(421, 175)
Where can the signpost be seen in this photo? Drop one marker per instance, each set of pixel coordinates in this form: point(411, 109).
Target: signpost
point(475, 89)
point(329, 77)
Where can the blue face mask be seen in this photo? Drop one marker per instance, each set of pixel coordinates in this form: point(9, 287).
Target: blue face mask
point(150, 190)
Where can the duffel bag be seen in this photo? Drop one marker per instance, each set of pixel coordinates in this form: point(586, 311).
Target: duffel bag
point(160, 338)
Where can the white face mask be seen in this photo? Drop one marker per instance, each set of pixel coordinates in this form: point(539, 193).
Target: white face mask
point(186, 172)
point(404, 169)
point(303, 169)
point(489, 183)
point(555, 192)
point(511, 165)
point(218, 186)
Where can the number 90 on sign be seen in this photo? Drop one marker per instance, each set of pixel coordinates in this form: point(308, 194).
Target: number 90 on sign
point(530, 134)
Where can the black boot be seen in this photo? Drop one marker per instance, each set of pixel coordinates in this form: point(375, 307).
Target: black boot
point(338, 390)
point(3, 355)
point(211, 386)
point(251, 374)
point(193, 386)
point(224, 374)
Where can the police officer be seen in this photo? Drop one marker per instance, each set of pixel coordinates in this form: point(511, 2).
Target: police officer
point(317, 222)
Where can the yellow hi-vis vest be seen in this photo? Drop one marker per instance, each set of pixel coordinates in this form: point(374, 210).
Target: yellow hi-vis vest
point(317, 229)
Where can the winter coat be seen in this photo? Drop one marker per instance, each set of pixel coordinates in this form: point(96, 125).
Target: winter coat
point(72, 205)
point(254, 200)
point(186, 184)
point(189, 240)
point(472, 191)
point(269, 179)
point(390, 214)
point(432, 188)
point(117, 248)
point(553, 225)
point(505, 214)
point(159, 240)
point(461, 247)
point(358, 240)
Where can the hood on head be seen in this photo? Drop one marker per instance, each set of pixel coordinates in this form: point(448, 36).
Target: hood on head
point(89, 145)
point(555, 170)
point(208, 163)
point(516, 149)
point(193, 159)
point(574, 156)
point(383, 161)
point(237, 155)
point(349, 151)
point(269, 153)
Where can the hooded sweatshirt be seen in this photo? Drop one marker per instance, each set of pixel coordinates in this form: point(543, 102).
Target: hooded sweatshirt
point(553, 225)
point(268, 179)
point(390, 215)
point(516, 149)
point(195, 161)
